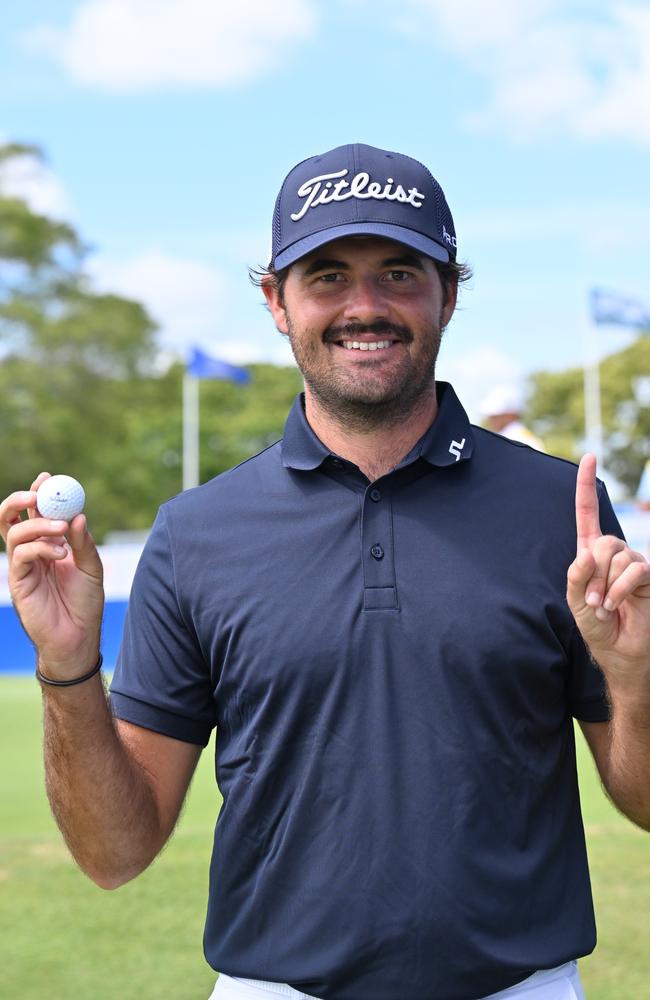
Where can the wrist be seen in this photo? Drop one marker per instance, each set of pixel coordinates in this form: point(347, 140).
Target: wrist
point(72, 671)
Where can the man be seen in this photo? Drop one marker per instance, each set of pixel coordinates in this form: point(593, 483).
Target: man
point(372, 612)
point(503, 408)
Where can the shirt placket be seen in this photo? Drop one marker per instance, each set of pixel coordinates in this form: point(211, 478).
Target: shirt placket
point(377, 549)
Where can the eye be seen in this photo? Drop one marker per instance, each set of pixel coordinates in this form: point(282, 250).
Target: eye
point(399, 276)
point(330, 277)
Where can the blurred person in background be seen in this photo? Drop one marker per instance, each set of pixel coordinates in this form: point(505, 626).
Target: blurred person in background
point(502, 410)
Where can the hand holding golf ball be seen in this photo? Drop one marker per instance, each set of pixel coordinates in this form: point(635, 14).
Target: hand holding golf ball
point(61, 498)
point(54, 574)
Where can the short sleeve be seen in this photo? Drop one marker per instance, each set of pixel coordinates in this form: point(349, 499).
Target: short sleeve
point(587, 687)
point(161, 679)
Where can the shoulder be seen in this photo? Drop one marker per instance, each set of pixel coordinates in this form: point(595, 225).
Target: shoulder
point(228, 487)
point(509, 455)
point(544, 485)
point(522, 476)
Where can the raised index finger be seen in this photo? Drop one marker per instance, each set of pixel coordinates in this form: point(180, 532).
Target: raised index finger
point(587, 516)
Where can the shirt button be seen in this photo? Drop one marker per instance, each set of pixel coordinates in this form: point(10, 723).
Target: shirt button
point(375, 495)
point(337, 463)
point(377, 552)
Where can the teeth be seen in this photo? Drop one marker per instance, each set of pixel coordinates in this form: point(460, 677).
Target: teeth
point(375, 345)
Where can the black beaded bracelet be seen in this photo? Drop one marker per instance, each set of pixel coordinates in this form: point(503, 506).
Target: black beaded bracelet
point(75, 680)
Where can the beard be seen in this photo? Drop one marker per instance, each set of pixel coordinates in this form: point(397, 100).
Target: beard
point(364, 404)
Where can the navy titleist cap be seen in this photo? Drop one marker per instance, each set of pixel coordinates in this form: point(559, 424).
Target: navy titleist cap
point(359, 190)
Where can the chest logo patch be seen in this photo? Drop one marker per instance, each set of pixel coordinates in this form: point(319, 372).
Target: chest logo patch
point(456, 448)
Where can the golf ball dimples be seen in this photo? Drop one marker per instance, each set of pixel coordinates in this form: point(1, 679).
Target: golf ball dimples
point(60, 497)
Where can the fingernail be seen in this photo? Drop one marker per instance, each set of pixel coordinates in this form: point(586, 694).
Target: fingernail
point(608, 604)
point(59, 525)
point(601, 614)
point(593, 599)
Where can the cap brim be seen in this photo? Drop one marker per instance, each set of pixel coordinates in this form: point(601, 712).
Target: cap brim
point(391, 232)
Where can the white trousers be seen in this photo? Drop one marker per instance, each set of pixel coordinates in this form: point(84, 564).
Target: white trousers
point(562, 983)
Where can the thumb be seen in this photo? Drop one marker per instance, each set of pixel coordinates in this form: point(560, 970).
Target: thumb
point(84, 550)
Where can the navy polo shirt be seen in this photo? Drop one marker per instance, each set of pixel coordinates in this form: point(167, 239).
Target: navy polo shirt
point(392, 669)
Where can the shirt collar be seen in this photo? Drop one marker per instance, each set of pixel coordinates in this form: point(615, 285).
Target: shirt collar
point(301, 449)
point(448, 440)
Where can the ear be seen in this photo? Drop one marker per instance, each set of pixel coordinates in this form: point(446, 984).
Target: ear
point(450, 304)
point(275, 302)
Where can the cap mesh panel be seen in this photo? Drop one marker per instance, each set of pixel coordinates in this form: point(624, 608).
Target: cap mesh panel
point(444, 217)
point(276, 228)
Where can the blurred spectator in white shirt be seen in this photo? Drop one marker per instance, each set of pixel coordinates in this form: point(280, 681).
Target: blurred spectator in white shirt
point(502, 409)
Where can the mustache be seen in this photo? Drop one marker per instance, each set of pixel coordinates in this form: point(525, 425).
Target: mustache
point(334, 333)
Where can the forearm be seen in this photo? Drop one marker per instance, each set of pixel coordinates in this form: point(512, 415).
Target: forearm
point(627, 768)
point(100, 796)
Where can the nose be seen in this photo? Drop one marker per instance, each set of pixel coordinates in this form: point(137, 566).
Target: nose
point(365, 303)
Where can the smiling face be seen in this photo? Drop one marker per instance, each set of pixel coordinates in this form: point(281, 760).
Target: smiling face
point(364, 316)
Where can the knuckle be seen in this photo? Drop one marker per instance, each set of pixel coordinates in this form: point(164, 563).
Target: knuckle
point(6, 509)
point(634, 575)
point(608, 545)
point(13, 532)
point(639, 571)
point(621, 559)
point(13, 505)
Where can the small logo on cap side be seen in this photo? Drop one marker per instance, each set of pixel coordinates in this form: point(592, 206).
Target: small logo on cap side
point(325, 188)
point(448, 238)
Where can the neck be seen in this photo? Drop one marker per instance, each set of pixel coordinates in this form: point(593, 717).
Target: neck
point(375, 450)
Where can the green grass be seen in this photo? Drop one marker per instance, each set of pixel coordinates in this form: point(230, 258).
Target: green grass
point(64, 938)
point(619, 858)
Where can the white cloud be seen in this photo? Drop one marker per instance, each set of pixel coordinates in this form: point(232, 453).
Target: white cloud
point(29, 178)
point(127, 46)
point(275, 350)
point(474, 25)
point(193, 303)
point(186, 297)
point(550, 65)
point(622, 108)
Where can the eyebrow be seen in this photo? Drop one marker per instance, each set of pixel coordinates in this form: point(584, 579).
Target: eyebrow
point(405, 260)
point(325, 264)
point(331, 264)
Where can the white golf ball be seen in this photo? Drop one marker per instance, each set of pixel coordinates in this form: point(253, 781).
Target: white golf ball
point(60, 497)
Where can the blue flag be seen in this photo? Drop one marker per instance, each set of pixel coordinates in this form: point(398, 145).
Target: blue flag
point(613, 308)
point(202, 365)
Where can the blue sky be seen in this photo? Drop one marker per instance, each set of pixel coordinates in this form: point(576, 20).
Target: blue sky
point(169, 125)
